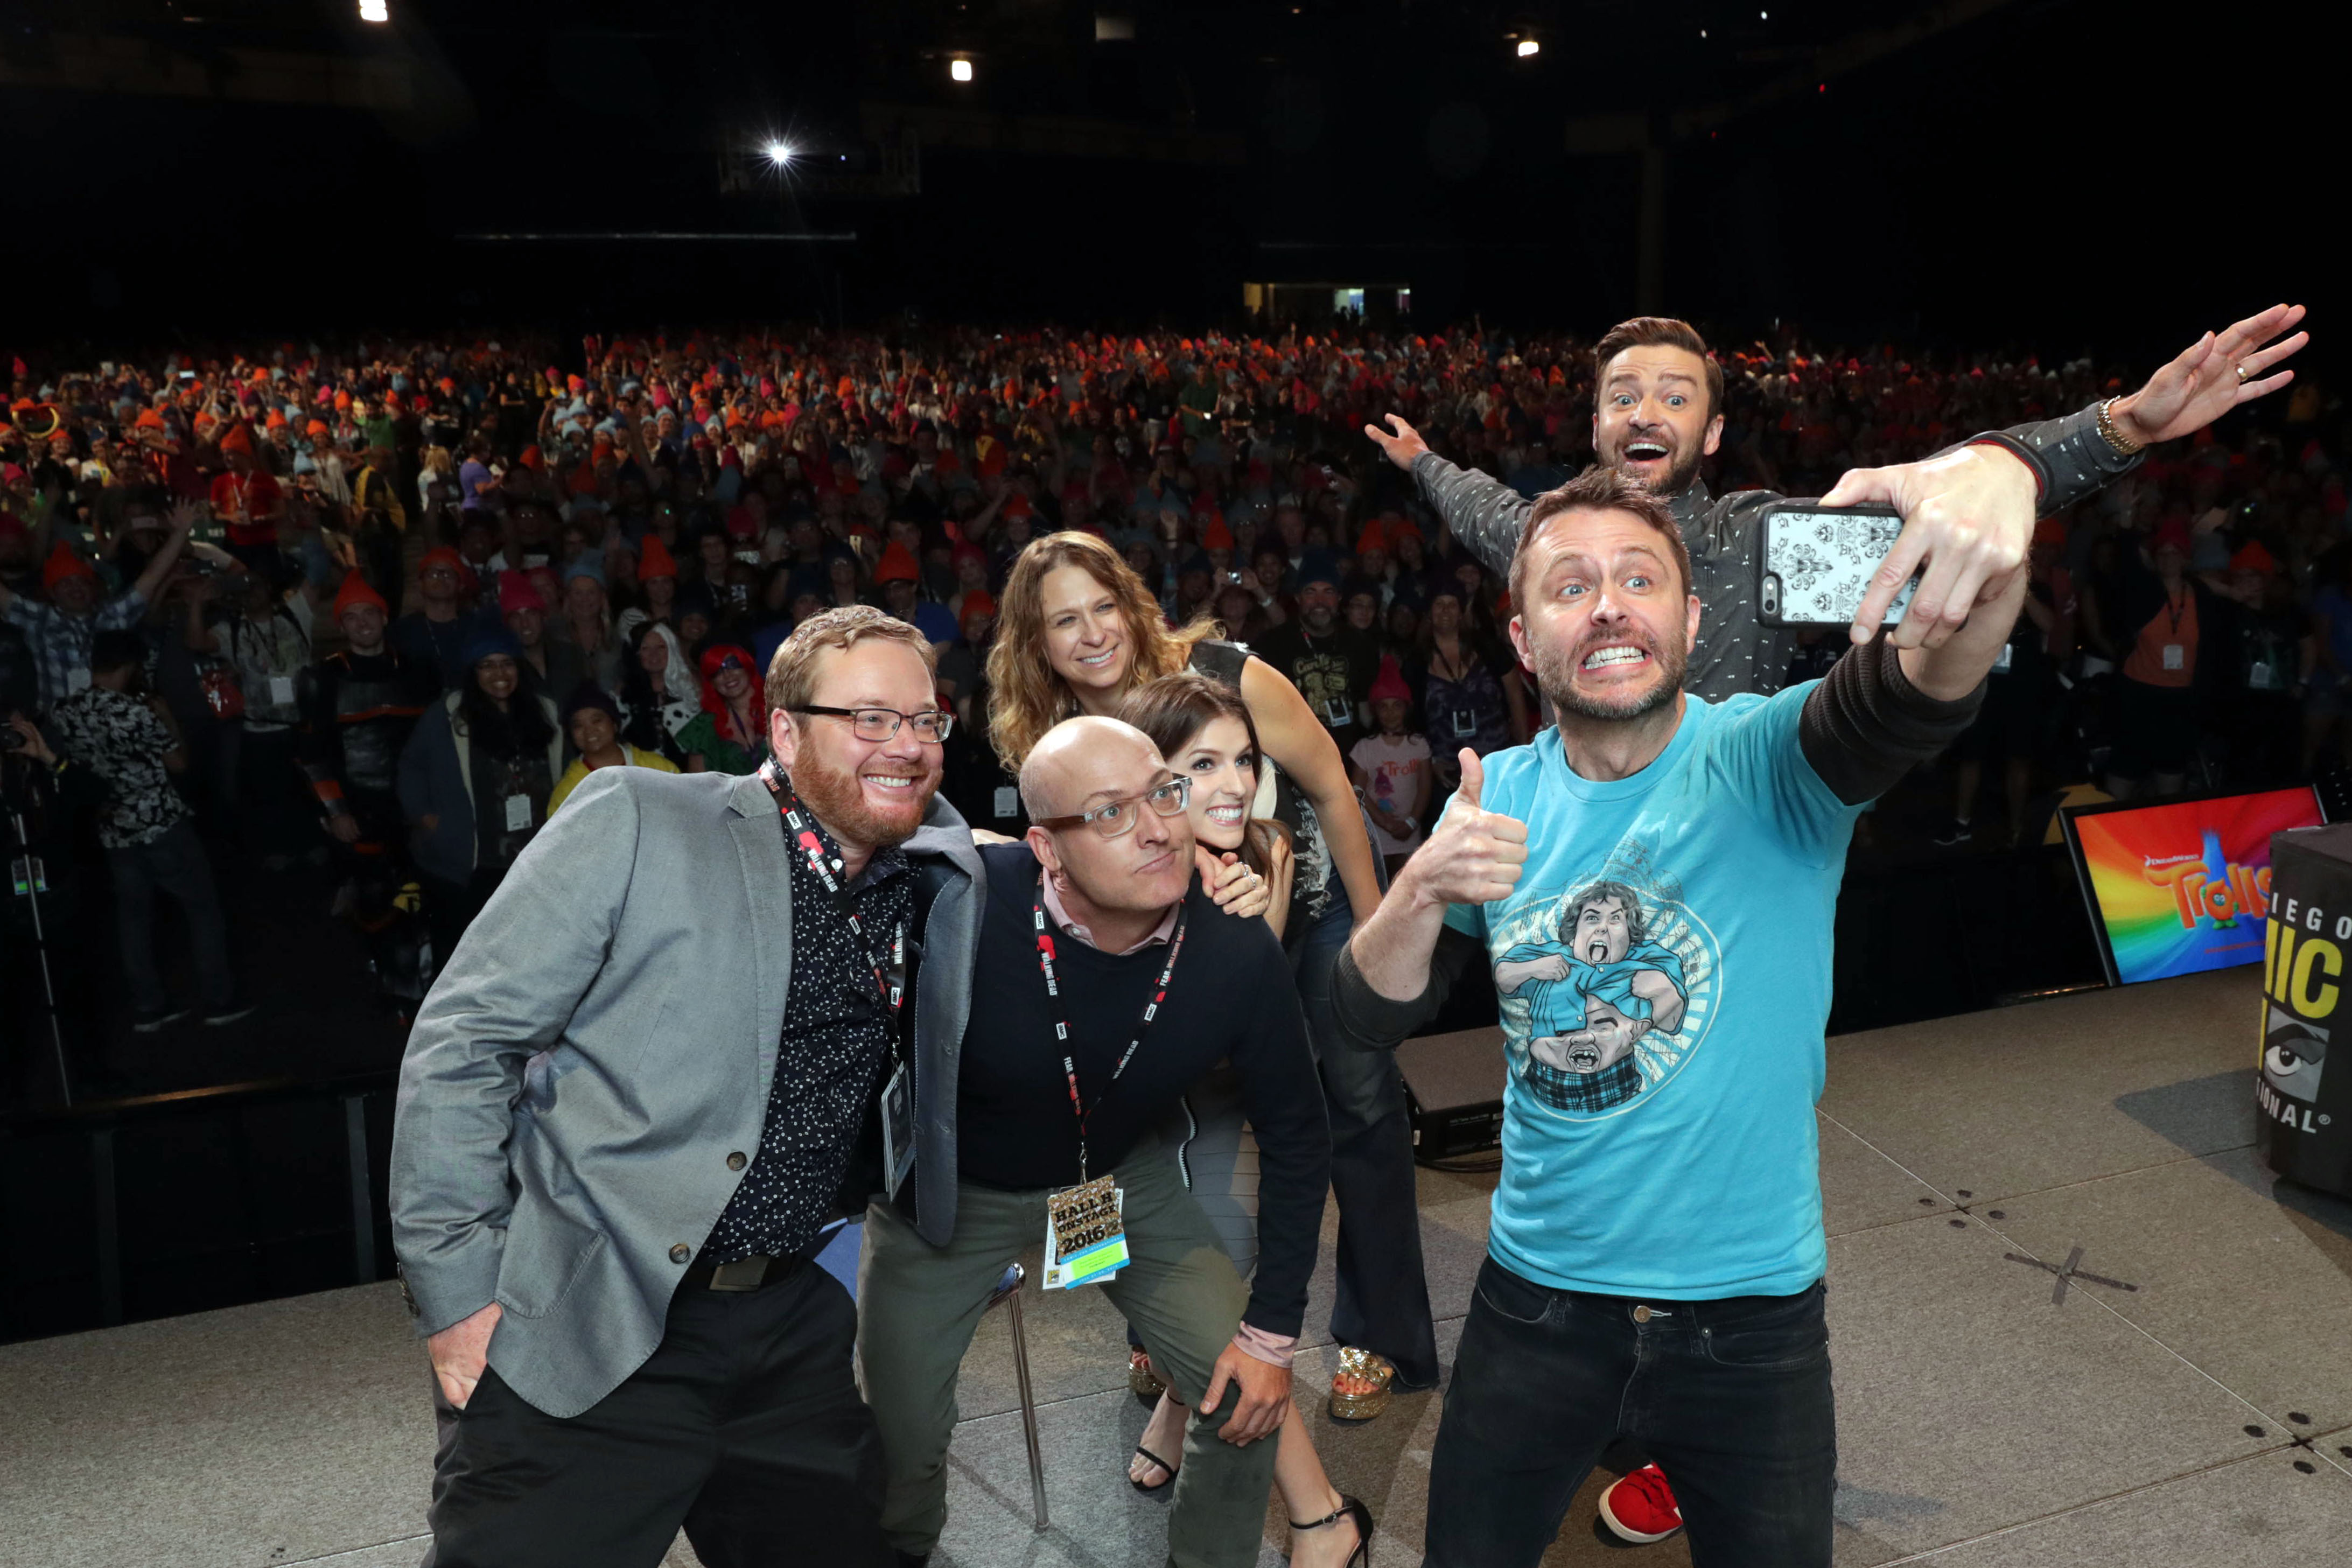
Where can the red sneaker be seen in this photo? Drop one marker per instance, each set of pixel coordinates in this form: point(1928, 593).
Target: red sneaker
point(1639, 1507)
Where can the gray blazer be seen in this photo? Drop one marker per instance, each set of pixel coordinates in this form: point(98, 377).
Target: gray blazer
point(598, 1046)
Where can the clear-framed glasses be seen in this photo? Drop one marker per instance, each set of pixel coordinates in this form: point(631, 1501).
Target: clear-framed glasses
point(1115, 819)
point(931, 726)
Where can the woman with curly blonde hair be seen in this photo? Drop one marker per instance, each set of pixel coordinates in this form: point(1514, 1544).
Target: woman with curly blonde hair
point(1078, 632)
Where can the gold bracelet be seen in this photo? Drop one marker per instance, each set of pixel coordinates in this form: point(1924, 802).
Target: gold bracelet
point(2113, 437)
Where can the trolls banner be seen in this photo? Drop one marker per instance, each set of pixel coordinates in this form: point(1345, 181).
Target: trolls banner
point(2181, 886)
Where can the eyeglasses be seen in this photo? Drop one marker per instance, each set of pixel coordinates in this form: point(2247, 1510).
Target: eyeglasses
point(1113, 819)
point(931, 726)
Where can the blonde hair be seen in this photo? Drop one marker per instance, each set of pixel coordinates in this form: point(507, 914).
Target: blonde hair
point(791, 674)
point(438, 461)
point(1025, 696)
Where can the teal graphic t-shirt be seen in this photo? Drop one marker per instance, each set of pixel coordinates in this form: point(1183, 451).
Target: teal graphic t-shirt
point(1663, 973)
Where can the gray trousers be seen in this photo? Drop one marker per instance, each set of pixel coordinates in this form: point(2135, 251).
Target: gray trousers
point(919, 1304)
point(176, 864)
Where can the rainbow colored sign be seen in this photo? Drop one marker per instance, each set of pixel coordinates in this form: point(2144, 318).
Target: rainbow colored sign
point(2176, 886)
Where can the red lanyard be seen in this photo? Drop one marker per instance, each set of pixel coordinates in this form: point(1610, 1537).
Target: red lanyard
point(1078, 1107)
point(890, 982)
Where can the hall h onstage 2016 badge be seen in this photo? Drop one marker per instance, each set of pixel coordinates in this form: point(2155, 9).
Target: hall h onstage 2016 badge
point(1085, 1235)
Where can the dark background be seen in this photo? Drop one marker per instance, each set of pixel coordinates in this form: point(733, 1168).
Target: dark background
point(2058, 174)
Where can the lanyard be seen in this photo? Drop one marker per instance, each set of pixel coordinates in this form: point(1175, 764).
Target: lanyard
point(1078, 1107)
point(2173, 612)
point(890, 980)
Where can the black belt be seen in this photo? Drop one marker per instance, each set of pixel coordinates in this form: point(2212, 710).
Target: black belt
point(744, 1274)
point(759, 1269)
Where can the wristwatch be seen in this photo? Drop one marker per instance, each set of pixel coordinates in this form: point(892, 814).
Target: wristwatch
point(2111, 435)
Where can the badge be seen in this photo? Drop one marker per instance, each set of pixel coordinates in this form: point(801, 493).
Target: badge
point(1337, 713)
point(78, 679)
point(1008, 800)
point(2176, 656)
point(517, 813)
point(1466, 723)
point(281, 692)
point(2261, 675)
point(897, 1129)
point(1085, 1235)
point(2001, 660)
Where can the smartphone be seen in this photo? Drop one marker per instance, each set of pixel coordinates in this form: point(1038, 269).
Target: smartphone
point(1816, 560)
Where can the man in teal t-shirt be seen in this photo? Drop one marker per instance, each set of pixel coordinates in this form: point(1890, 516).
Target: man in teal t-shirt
point(1653, 883)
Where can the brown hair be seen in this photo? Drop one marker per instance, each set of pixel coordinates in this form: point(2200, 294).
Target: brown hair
point(1601, 489)
point(791, 674)
point(1174, 708)
point(1025, 697)
point(1656, 332)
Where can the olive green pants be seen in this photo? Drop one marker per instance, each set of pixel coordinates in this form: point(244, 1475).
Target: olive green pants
point(919, 1304)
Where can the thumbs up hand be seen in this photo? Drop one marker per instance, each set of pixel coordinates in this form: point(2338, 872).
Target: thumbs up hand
point(1475, 856)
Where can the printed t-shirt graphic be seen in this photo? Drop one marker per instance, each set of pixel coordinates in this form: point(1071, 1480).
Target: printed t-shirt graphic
point(1664, 972)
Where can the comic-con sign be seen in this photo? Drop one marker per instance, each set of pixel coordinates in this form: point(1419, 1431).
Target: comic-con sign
point(2305, 1112)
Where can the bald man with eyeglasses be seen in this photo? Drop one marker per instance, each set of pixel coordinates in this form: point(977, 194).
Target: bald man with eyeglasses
point(1105, 984)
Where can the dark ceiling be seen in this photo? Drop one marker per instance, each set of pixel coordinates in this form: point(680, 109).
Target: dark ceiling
point(2059, 172)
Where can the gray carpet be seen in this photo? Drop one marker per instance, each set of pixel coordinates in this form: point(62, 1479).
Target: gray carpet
point(2203, 1419)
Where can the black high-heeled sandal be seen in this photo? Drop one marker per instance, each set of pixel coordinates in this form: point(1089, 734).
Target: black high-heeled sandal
point(1349, 1508)
point(1169, 1480)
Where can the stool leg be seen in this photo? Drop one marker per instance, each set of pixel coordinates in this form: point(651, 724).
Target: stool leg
point(1028, 1411)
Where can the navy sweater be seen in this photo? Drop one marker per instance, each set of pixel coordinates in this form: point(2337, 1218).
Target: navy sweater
point(1231, 997)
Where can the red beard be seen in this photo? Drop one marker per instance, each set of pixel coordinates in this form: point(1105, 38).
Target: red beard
point(839, 802)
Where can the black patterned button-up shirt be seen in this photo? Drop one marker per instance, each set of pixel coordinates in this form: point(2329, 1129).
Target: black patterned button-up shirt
point(836, 1046)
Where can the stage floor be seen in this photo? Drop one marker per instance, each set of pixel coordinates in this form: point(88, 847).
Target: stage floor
point(2205, 1418)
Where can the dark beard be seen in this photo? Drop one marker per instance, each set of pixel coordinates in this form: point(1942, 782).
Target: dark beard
point(839, 802)
point(1680, 472)
point(1555, 677)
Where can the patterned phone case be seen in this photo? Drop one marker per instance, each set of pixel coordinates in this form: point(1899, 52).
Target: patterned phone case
point(1816, 563)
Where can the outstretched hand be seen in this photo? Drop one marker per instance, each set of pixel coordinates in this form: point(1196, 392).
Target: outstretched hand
point(1968, 517)
point(1402, 446)
point(2205, 380)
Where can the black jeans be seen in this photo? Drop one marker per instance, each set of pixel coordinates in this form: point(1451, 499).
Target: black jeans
point(743, 1426)
point(1730, 1397)
point(1383, 1301)
point(174, 864)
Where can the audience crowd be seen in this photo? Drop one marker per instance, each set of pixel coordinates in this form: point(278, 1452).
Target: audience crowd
point(389, 606)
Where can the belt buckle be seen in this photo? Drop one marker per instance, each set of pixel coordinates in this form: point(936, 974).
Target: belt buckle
point(744, 1274)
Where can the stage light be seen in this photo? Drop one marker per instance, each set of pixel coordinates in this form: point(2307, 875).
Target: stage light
point(376, 10)
point(1530, 49)
point(780, 152)
point(959, 70)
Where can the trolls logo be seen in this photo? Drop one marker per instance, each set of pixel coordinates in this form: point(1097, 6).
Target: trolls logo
point(2206, 886)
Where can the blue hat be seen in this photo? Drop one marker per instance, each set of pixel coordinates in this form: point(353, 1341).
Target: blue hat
point(1319, 566)
point(588, 694)
point(585, 567)
point(489, 642)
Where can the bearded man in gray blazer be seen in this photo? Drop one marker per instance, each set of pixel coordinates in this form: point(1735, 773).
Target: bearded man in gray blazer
point(703, 1017)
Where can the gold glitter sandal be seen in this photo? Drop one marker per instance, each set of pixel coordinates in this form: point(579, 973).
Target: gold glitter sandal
point(1366, 1367)
point(1141, 1381)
